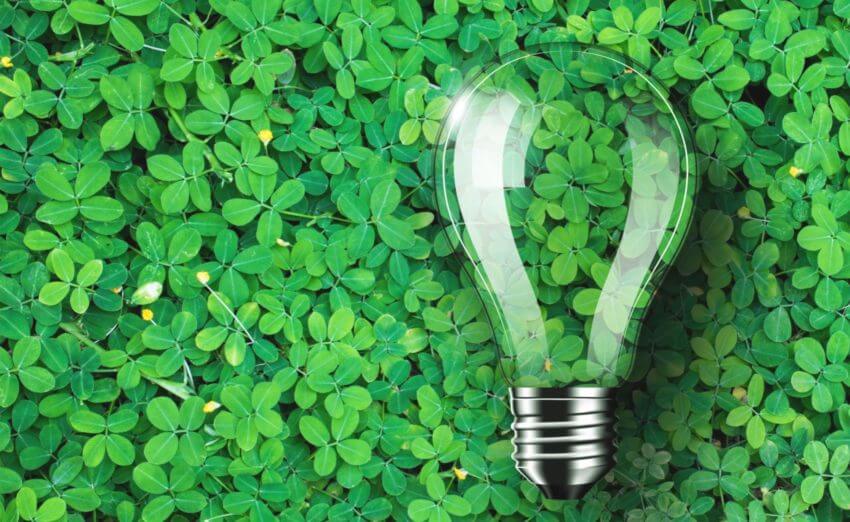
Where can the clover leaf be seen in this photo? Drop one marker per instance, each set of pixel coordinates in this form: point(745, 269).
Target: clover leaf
point(334, 442)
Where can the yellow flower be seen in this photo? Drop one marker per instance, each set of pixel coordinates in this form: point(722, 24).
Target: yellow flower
point(460, 473)
point(795, 171)
point(265, 136)
point(282, 242)
point(547, 365)
point(211, 407)
point(6, 62)
point(203, 277)
point(117, 290)
point(147, 314)
point(739, 393)
point(743, 212)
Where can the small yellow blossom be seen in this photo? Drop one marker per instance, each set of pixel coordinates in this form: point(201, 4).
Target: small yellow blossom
point(795, 171)
point(265, 136)
point(203, 277)
point(744, 213)
point(460, 473)
point(6, 62)
point(739, 393)
point(211, 407)
point(547, 365)
point(147, 314)
point(219, 53)
point(117, 290)
point(283, 242)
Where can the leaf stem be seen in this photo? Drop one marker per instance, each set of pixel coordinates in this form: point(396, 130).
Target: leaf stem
point(230, 311)
point(314, 216)
point(208, 154)
point(175, 388)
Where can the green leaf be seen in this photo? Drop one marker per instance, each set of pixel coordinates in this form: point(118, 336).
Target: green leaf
point(61, 264)
point(165, 168)
point(840, 493)
point(53, 293)
point(26, 503)
point(240, 212)
point(36, 379)
point(253, 260)
point(52, 184)
point(817, 456)
point(384, 200)
point(812, 489)
point(126, 33)
point(809, 355)
point(135, 7)
point(87, 421)
point(707, 103)
point(314, 431)
point(237, 399)
point(777, 325)
point(52, 509)
point(10, 481)
point(150, 478)
point(162, 413)
point(184, 245)
point(355, 452)
point(396, 233)
point(90, 273)
point(159, 508)
point(183, 40)
point(324, 461)
point(88, 12)
point(431, 409)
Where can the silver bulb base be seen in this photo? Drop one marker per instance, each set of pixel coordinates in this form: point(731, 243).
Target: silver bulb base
point(563, 437)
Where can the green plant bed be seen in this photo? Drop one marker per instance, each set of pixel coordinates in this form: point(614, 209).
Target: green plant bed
point(224, 294)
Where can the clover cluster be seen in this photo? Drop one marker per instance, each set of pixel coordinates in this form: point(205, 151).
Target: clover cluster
point(224, 293)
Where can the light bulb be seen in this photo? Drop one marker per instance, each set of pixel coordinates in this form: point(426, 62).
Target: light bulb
point(565, 181)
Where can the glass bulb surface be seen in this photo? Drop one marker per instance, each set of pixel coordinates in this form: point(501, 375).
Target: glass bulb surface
point(565, 181)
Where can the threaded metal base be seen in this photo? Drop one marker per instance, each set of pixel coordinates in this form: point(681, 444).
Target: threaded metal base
point(563, 437)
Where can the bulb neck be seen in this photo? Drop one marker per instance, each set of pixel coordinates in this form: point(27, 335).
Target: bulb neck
point(563, 437)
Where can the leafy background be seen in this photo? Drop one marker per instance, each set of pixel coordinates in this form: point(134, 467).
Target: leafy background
point(225, 296)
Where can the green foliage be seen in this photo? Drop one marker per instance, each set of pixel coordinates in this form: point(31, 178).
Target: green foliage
point(224, 293)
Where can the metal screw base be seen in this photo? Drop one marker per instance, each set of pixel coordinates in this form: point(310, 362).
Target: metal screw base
point(563, 437)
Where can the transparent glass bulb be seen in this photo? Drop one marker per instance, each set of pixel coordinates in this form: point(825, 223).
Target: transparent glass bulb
point(565, 180)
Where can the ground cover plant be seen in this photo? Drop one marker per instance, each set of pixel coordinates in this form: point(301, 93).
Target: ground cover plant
point(224, 295)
